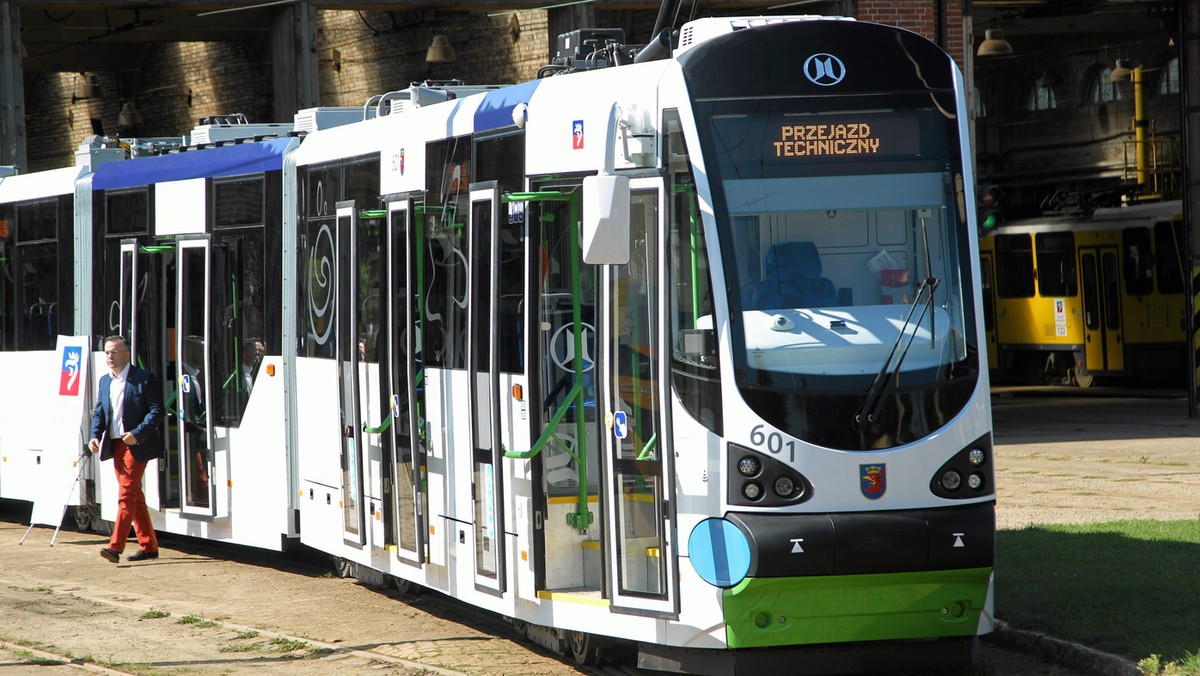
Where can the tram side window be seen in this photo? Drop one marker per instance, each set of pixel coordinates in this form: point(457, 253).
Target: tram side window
point(503, 159)
point(1139, 262)
point(1168, 256)
point(29, 310)
point(239, 338)
point(1014, 266)
point(1056, 265)
point(128, 212)
point(322, 187)
point(122, 214)
point(316, 250)
point(695, 367)
point(447, 251)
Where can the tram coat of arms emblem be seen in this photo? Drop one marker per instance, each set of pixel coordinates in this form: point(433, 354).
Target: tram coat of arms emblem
point(873, 480)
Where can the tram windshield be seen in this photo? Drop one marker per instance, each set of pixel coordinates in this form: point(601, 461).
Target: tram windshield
point(847, 267)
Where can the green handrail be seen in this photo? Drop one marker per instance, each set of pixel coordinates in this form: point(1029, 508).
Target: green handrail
point(648, 448)
point(383, 426)
point(548, 433)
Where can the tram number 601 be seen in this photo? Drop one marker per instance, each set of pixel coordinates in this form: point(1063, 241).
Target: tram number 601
point(773, 442)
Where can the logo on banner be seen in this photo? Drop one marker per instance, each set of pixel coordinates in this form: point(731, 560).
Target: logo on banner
point(68, 384)
point(577, 135)
point(874, 480)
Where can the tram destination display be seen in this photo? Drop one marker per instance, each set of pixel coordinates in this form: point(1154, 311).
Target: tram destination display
point(842, 136)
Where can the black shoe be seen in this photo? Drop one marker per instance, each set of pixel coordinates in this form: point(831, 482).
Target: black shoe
point(142, 555)
point(110, 555)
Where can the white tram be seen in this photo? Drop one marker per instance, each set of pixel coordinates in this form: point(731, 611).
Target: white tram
point(683, 352)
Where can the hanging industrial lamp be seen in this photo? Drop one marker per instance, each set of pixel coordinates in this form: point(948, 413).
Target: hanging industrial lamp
point(440, 51)
point(994, 44)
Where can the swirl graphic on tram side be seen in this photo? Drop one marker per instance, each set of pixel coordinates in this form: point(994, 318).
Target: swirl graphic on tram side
point(320, 286)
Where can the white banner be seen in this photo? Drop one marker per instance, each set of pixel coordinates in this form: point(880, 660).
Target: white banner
point(66, 431)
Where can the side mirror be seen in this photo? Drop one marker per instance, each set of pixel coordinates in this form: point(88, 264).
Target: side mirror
point(605, 236)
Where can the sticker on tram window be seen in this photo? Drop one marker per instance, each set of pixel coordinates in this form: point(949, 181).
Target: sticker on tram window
point(773, 442)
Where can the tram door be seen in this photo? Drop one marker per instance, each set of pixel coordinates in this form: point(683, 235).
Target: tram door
point(194, 386)
point(138, 317)
point(1101, 288)
point(404, 382)
point(350, 351)
point(639, 531)
point(482, 360)
point(567, 521)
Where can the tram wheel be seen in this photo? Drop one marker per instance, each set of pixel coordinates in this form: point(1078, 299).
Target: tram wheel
point(585, 649)
point(342, 567)
point(1083, 379)
point(82, 515)
point(404, 587)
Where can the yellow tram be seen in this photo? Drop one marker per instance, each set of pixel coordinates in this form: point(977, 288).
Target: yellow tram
point(1069, 298)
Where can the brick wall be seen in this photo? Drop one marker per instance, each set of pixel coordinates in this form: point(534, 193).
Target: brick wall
point(359, 54)
point(919, 16)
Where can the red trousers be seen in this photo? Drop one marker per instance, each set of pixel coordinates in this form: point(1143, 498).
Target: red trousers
point(131, 503)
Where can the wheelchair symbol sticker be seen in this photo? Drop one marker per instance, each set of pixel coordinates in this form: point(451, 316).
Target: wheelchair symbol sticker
point(620, 425)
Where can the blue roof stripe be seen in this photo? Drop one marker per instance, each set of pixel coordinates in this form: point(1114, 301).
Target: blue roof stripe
point(496, 110)
point(230, 160)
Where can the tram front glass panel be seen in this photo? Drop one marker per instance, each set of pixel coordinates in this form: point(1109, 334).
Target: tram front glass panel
point(846, 255)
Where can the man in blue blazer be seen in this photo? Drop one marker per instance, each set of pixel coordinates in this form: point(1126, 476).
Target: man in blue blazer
point(131, 438)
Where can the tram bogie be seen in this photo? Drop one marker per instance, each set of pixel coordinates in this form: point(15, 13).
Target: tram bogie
point(677, 353)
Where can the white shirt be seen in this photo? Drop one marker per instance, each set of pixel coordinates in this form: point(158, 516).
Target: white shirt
point(116, 398)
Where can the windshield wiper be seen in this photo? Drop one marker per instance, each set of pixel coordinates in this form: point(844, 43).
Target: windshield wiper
point(868, 409)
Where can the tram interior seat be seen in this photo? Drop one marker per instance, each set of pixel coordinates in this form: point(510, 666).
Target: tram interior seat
point(793, 279)
point(40, 322)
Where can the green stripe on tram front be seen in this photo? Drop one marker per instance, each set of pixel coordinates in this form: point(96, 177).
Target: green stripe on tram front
point(765, 612)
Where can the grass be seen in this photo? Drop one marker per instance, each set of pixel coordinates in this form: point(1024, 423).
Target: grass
point(196, 621)
point(1127, 587)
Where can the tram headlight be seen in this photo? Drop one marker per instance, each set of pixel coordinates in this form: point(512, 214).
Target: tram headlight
point(749, 466)
point(967, 474)
point(762, 480)
point(784, 487)
point(752, 491)
point(951, 480)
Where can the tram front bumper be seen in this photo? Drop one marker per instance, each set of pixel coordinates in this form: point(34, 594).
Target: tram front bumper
point(767, 612)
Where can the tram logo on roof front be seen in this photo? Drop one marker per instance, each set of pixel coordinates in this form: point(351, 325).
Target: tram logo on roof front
point(824, 70)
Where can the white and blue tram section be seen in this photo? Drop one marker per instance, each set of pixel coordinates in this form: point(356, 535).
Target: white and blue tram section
point(252, 499)
point(250, 481)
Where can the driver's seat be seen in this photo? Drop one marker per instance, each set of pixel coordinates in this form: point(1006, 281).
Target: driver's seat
point(793, 279)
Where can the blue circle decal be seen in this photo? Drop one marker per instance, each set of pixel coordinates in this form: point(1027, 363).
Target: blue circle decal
point(719, 552)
